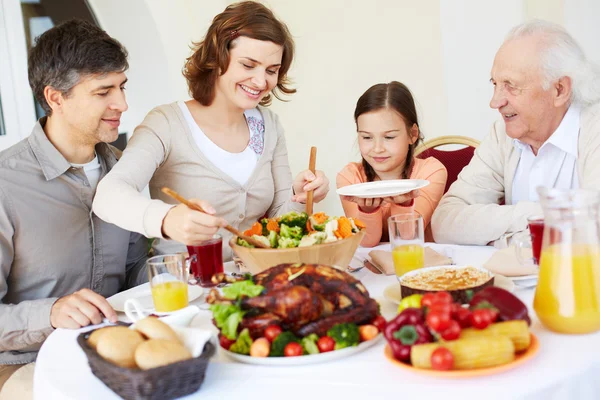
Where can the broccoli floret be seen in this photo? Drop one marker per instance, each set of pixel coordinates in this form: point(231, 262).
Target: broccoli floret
point(243, 343)
point(318, 221)
point(312, 239)
point(309, 344)
point(243, 243)
point(264, 223)
point(262, 239)
point(294, 218)
point(344, 335)
point(286, 243)
point(290, 232)
point(273, 239)
point(280, 342)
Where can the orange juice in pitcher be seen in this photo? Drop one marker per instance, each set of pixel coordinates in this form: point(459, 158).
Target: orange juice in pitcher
point(567, 297)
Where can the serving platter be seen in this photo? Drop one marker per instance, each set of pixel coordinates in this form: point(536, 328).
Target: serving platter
point(520, 359)
point(303, 360)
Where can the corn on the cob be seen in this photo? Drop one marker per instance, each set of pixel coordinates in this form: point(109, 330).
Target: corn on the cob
point(472, 353)
point(517, 331)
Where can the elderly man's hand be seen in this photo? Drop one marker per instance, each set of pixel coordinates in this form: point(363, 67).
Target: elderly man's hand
point(80, 309)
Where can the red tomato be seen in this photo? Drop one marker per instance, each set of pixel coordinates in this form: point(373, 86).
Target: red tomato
point(438, 321)
point(325, 344)
point(427, 299)
point(292, 349)
point(463, 317)
point(441, 308)
point(481, 318)
point(225, 342)
point(379, 323)
point(443, 298)
point(456, 309)
point(452, 332)
point(442, 359)
point(272, 331)
point(493, 314)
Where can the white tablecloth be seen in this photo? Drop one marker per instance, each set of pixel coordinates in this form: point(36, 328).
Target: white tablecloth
point(566, 367)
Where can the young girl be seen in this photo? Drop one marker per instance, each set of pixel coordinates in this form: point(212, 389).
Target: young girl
point(388, 133)
point(223, 146)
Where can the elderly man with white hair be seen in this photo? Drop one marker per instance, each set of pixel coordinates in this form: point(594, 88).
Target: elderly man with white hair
point(548, 95)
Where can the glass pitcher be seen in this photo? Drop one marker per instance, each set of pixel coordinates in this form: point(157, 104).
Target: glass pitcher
point(567, 297)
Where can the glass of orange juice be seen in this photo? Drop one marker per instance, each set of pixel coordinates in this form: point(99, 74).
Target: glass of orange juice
point(406, 238)
point(168, 276)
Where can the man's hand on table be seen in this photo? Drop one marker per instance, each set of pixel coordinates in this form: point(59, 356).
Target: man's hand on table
point(80, 309)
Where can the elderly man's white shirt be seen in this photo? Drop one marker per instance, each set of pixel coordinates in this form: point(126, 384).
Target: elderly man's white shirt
point(555, 164)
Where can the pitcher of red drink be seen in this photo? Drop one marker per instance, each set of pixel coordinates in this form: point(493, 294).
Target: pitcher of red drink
point(530, 240)
point(206, 260)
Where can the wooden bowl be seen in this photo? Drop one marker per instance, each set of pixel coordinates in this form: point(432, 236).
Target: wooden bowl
point(335, 253)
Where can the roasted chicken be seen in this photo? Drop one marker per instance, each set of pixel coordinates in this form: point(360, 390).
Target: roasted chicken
point(304, 298)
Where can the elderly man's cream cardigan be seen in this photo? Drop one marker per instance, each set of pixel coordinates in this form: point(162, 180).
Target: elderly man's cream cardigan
point(470, 212)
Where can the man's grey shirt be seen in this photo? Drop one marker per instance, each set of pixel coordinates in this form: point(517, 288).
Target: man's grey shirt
point(51, 244)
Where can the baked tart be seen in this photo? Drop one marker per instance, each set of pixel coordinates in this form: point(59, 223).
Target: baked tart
point(462, 282)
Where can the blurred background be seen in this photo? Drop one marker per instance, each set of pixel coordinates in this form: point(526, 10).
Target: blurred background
point(441, 49)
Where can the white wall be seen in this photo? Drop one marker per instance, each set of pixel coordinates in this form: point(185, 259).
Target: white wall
point(442, 49)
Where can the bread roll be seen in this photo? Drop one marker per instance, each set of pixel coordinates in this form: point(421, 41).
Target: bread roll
point(152, 328)
point(118, 345)
point(95, 336)
point(158, 352)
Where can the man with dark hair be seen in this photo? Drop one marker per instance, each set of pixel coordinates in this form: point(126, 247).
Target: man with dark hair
point(58, 260)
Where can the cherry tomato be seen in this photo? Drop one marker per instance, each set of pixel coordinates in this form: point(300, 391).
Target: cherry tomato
point(463, 317)
point(443, 298)
point(481, 318)
point(427, 299)
point(452, 332)
point(325, 344)
point(441, 308)
point(493, 314)
point(438, 321)
point(225, 342)
point(379, 323)
point(456, 309)
point(272, 331)
point(292, 349)
point(442, 359)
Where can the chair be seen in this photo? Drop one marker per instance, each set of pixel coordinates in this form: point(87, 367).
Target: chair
point(454, 160)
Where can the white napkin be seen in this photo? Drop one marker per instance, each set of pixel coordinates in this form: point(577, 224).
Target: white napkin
point(194, 339)
point(505, 262)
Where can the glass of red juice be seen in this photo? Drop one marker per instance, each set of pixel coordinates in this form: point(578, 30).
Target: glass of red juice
point(206, 260)
point(536, 231)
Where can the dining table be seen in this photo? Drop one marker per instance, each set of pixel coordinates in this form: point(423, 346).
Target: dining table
point(565, 366)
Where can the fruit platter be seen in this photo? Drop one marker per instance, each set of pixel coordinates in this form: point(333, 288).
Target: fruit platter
point(434, 335)
point(294, 314)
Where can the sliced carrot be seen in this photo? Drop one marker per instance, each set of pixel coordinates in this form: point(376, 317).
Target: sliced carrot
point(337, 235)
point(320, 217)
point(255, 229)
point(359, 224)
point(272, 225)
point(344, 227)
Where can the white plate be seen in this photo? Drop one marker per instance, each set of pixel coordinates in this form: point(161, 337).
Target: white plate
point(144, 295)
point(375, 189)
point(526, 281)
point(392, 292)
point(303, 360)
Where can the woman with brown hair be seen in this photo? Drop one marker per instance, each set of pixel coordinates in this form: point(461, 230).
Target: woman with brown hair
point(223, 146)
point(388, 133)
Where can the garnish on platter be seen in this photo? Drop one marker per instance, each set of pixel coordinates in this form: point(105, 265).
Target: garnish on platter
point(441, 337)
point(293, 310)
point(301, 230)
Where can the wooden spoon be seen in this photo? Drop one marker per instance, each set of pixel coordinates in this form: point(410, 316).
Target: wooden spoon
point(230, 228)
point(311, 166)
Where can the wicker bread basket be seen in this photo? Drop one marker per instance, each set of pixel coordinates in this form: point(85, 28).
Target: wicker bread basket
point(167, 382)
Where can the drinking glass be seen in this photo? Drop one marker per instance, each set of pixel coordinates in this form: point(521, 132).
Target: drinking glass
point(168, 277)
point(406, 239)
point(530, 240)
point(206, 260)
